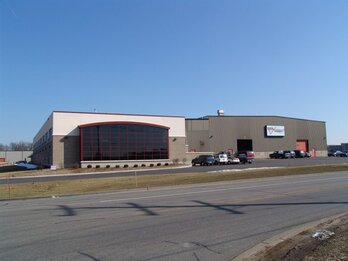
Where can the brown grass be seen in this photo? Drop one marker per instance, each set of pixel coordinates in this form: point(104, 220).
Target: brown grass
point(57, 188)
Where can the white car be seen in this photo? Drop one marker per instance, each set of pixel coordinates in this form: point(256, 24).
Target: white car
point(233, 160)
point(221, 158)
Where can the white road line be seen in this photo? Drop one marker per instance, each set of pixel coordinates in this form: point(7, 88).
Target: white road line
point(222, 189)
point(241, 170)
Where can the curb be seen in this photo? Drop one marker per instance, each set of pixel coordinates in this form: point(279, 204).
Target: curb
point(251, 253)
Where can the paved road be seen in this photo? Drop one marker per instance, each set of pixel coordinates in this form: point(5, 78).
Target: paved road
point(216, 221)
point(255, 164)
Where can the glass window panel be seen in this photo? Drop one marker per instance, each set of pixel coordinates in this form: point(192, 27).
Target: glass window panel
point(123, 142)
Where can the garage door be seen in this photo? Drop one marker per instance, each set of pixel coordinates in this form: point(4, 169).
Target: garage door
point(302, 145)
point(244, 145)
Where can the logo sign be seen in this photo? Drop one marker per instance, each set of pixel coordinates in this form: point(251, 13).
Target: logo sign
point(275, 131)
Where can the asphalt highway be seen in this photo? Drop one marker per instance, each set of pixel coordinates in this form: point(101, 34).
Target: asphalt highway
point(256, 164)
point(215, 221)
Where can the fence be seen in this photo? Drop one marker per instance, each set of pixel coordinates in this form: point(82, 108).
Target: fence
point(14, 156)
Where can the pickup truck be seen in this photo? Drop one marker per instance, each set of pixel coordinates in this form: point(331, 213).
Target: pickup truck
point(246, 156)
point(280, 154)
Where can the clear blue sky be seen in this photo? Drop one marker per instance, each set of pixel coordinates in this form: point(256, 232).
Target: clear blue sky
point(178, 57)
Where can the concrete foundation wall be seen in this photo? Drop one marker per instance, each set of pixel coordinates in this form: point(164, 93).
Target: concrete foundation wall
point(265, 155)
point(125, 163)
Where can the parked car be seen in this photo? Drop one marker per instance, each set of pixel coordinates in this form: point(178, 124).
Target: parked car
point(280, 154)
point(26, 165)
point(221, 158)
point(330, 154)
point(233, 159)
point(291, 152)
point(203, 160)
point(341, 153)
point(21, 162)
point(246, 156)
point(300, 153)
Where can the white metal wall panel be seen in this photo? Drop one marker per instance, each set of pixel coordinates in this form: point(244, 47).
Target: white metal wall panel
point(66, 123)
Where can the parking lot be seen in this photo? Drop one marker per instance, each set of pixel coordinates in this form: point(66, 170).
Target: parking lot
point(258, 163)
point(262, 163)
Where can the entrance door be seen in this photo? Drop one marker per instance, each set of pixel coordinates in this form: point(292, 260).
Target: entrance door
point(244, 145)
point(302, 145)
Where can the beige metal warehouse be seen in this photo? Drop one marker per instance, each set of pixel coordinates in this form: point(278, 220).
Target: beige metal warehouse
point(261, 134)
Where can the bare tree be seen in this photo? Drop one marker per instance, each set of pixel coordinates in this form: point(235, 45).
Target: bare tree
point(4, 147)
point(21, 146)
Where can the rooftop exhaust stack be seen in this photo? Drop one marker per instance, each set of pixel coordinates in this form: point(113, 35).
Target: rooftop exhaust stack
point(220, 112)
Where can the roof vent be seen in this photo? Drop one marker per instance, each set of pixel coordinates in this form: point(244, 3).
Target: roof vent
point(220, 112)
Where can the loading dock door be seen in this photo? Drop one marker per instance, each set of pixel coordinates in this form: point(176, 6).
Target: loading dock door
point(302, 145)
point(244, 145)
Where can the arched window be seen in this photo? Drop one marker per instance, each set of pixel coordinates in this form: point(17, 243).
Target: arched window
point(123, 141)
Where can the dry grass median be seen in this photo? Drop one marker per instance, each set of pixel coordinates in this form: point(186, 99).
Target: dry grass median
point(68, 187)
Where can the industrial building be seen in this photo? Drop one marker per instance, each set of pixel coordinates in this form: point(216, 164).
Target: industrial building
point(90, 139)
point(83, 139)
point(261, 134)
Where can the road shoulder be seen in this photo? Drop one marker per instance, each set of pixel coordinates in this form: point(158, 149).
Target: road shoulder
point(299, 243)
